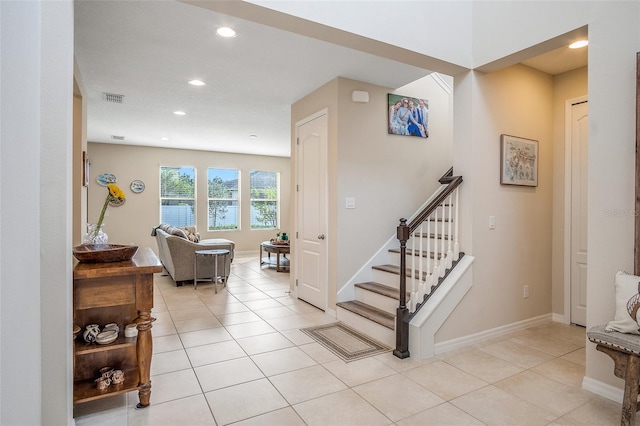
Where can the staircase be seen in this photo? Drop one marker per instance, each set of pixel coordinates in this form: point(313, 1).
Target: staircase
point(432, 254)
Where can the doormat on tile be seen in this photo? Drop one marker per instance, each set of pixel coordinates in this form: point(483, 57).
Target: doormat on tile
point(345, 342)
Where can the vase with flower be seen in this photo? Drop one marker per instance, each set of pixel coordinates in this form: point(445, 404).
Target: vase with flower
point(95, 234)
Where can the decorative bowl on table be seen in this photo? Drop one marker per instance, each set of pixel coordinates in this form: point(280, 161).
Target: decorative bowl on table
point(103, 253)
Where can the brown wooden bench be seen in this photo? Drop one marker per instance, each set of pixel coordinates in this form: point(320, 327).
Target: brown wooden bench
point(624, 349)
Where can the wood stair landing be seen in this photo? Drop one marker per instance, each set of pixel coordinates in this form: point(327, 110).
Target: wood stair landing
point(369, 312)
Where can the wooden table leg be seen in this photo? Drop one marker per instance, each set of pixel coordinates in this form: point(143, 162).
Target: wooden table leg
point(626, 367)
point(630, 400)
point(144, 348)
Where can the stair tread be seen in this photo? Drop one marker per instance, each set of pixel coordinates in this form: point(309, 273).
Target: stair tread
point(370, 312)
point(382, 289)
point(394, 269)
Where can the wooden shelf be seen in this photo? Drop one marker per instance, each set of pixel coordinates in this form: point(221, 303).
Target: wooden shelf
point(82, 348)
point(86, 390)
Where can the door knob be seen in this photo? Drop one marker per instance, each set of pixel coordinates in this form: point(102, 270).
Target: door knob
point(321, 237)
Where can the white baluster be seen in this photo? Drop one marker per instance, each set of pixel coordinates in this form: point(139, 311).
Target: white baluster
point(443, 236)
point(413, 263)
point(413, 301)
point(436, 261)
point(421, 286)
point(456, 246)
point(449, 236)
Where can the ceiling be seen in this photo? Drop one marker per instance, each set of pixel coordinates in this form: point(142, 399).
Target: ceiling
point(148, 50)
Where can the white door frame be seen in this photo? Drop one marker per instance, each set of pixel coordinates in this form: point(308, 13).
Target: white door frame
point(296, 203)
point(568, 104)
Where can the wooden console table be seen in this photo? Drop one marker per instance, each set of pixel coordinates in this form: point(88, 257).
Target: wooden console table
point(121, 293)
point(279, 249)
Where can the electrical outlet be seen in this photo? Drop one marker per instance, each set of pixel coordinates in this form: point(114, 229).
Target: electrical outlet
point(525, 291)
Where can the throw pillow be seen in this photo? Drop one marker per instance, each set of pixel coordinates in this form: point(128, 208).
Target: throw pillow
point(192, 235)
point(627, 304)
point(177, 232)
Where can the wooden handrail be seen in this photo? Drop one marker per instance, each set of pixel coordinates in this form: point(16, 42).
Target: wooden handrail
point(453, 182)
point(404, 231)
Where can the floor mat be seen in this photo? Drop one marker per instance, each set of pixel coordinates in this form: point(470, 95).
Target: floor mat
point(345, 342)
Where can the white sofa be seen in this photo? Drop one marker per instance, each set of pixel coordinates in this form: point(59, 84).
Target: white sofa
point(177, 254)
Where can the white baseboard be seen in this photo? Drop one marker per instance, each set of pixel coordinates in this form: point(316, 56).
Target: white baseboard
point(559, 318)
point(331, 313)
point(461, 342)
point(604, 390)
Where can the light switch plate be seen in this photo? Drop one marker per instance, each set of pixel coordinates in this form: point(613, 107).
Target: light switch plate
point(492, 222)
point(351, 203)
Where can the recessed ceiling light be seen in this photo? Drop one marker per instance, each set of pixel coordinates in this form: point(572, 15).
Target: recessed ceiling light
point(226, 32)
point(253, 136)
point(164, 139)
point(179, 113)
point(196, 83)
point(578, 44)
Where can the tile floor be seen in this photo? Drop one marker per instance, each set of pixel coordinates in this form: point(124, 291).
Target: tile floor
point(238, 357)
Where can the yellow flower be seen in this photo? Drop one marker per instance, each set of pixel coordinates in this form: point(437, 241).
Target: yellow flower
point(116, 192)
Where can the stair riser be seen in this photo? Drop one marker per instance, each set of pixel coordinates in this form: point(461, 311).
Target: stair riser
point(386, 278)
point(370, 328)
point(394, 259)
point(379, 301)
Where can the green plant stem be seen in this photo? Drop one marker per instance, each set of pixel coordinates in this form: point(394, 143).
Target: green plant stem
point(104, 209)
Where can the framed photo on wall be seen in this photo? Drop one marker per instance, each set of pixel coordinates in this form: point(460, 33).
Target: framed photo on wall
point(518, 161)
point(85, 169)
point(407, 116)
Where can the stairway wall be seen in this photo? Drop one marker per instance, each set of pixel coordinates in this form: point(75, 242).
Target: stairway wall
point(368, 164)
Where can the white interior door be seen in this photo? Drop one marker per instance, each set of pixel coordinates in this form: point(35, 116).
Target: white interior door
point(579, 139)
point(311, 271)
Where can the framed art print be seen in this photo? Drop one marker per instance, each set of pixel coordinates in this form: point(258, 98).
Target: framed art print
point(518, 161)
point(407, 116)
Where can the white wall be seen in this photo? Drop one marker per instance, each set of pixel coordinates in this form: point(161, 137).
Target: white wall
point(36, 62)
point(614, 33)
point(440, 29)
point(515, 101)
point(132, 222)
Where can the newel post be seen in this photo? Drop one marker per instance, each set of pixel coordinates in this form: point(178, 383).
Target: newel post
point(402, 325)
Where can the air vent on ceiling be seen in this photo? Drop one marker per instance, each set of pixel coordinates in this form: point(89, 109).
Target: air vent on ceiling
point(117, 138)
point(112, 97)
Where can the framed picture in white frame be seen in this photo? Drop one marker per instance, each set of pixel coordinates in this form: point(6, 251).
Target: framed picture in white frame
point(518, 161)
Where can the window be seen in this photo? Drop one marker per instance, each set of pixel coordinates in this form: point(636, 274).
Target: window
point(264, 199)
point(177, 195)
point(222, 190)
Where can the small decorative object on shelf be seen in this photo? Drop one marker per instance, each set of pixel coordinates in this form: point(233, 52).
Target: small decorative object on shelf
point(131, 330)
point(106, 337)
point(285, 237)
point(76, 331)
point(118, 377)
point(91, 331)
point(102, 383)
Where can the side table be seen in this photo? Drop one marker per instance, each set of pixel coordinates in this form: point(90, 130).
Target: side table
point(281, 264)
point(203, 254)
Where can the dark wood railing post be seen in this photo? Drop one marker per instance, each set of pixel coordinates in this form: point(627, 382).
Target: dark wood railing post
point(402, 325)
